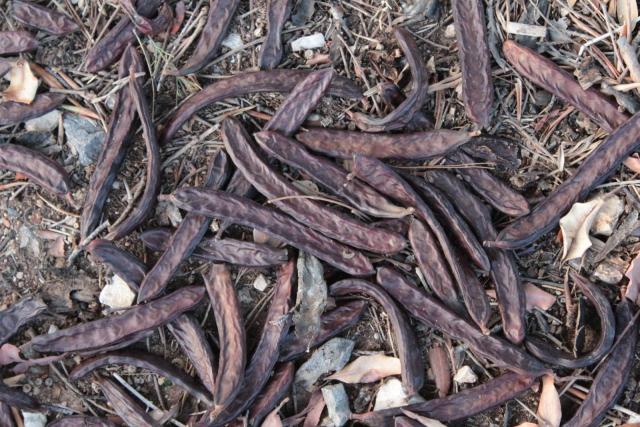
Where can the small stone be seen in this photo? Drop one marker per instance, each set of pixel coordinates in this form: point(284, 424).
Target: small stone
point(117, 294)
point(391, 395)
point(34, 419)
point(45, 123)
point(314, 41)
point(260, 283)
point(450, 32)
point(85, 137)
point(608, 272)
point(335, 397)
point(465, 375)
point(19, 275)
point(29, 242)
point(332, 356)
point(233, 41)
point(607, 218)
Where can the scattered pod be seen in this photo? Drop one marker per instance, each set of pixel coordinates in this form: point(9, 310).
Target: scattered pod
point(613, 374)
point(598, 165)
point(186, 237)
point(250, 214)
point(403, 113)
point(12, 42)
point(124, 405)
point(214, 30)
point(244, 84)
point(43, 19)
point(6, 417)
point(562, 84)
point(18, 315)
point(13, 113)
point(405, 340)
point(278, 12)
point(553, 356)
point(18, 399)
point(333, 323)
point(120, 262)
point(81, 421)
point(231, 251)
point(330, 175)
point(324, 219)
point(144, 360)
point(114, 329)
point(39, 168)
point(441, 369)
point(391, 95)
point(118, 345)
point(276, 389)
point(343, 144)
point(475, 60)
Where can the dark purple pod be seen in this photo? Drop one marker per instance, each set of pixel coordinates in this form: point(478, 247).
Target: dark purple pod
point(43, 19)
point(12, 42)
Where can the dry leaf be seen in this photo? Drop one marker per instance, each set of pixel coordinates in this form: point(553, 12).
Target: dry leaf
point(627, 11)
point(23, 84)
point(56, 249)
point(633, 163)
point(575, 227)
point(273, 419)
point(9, 353)
point(537, 298)
point(368, 369)
point(633, 274)
point(427, 422)
point(527, 424)
point(549, 409)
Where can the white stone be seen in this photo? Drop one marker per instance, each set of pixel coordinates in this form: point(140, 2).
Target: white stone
point(450, 32)
point(260, 283)
point(314, 41)
point(608, 216)
point(34, 419)
point(117, 294)
point(391, 395)
point(335, 397)
point(45, 123)
point(233, 41)
point(465, 375)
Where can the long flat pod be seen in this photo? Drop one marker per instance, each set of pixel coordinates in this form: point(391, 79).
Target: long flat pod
point(147, 201)
point(408, 349)
point(504, 272)
point(403, 113)
point(546, 74)
point(600, 163)
point(231, 335)
point(118, 345)
point(196, 347)
point(214, 30)
point(271, 50)
point(275, 390)
point(126, 408)
point(332, 323)
point(454, 222)
point(551, 355)
point(13, 113)
point(6, 417)
point(250, 214)
point(330, 175)
point(36, 166)
point(18, 399)
point(266, 353)
point(475, 60)
point(463, 404)
point(392, 96)
point(246, 83)
point(122, 263)
point(186, 237)
point(42, 18)
point(82, 421)
point(116, 144)
point(613, 374)
point(300, 102)
point(328, 221)
point(231, 251)
point(429, 311)
point(386, 180)
point(343, 144)
point(12, 42)
point(110, 330)
point(495, 192)
point(144, 360)
point(19, 314)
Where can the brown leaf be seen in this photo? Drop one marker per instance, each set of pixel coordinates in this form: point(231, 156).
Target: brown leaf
point(575, 227)
point(427, 422)
point(57, 247)
point(23, 84)
point(537, 298)
point(273, 419)
point(549, 409)
point(368, 369)
point(633, 163)
point(633, 274)
point(9, 353)
point(627, 11)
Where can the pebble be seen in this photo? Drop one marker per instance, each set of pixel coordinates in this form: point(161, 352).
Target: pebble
point(233, 41)
point(117, 294)
point(391, 395)
point(609, 273)
point(465, 375)
point(335, 397)
point(450, 31)
point(332, 356)
point(85, 137)
point(607, 218)
point(314, 41)
point(34, 419)
point(45, 123)
point(260, 283)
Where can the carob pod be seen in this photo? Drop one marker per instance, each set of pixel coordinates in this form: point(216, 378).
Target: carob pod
point(13, 113)
point(114, 329)
point(41, 18)
point(275, 390)
point(231, 251)
point(278, 12)
point(403, 113)
point(557, 357)
point(330, 175)
point(343, 144)
point(406, 342)
point(82, 421)
point(546, 74)
point(196, 347)
point(475, 60)
point(186, 237)
point(242, 211)
point(6, 417)
point(324, 219)
point(392, 96)
point(12, 42)
point(430, 312)
point(116, 144)
point(613, 374)
point(148, 200)
point(144, 360)
point(18, 399)
point(126, 408)
point(332, 323)
point(118, 345)
point(246, 83)
point(122, 263)
point(19, 314)
point(214, 31)
point(441, 368)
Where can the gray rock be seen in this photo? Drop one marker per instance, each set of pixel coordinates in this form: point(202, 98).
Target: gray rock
point(609, 272)
point(337, 403)
point(29, 242)
point(85, 137)
point(34, 419)
point(44, 123)
point(332, 356)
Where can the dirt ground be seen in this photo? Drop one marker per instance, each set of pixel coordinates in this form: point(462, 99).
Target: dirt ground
point(549, 139)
